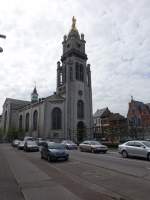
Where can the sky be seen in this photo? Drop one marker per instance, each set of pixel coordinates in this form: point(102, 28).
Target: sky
point(117, 34)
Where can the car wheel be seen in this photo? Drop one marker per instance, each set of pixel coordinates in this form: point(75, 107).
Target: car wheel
point(92, 150)
point(124, 154)
point(49, 159)
point(42, 156)
point(81, 149)
point(148, 156)
point(66, 159)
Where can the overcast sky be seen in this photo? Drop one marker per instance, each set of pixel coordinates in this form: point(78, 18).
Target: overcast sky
point(117, 34)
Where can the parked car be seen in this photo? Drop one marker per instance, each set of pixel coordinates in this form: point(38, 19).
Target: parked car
point(54, 151)
point(40, 141)
point(138, 148)
point(93, 146)
point(26, 138)
point(31, 145)
point(69, 144)
point(21, 145)
point(15, 142)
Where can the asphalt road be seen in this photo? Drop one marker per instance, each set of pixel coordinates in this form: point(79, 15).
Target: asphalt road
point(88, 176)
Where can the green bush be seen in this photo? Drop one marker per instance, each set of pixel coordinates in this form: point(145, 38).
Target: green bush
point(15, 134)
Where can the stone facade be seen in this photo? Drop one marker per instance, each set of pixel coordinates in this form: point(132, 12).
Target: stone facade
point(68, 112)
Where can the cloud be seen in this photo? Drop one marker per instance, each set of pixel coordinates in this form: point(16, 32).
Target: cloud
point(118, 47)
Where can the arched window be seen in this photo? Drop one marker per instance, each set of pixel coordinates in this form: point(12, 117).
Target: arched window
point(27, 122)
point(35, 120)
point(56, 118)
point(20, 122)
point(5, 120)
point(79, 72)
point(80, 109)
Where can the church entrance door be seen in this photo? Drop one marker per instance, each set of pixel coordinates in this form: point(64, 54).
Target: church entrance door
point(81, 132)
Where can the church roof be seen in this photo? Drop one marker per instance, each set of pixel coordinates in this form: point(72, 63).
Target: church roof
point(34, 91)
point(55, 97)
point(16, 101)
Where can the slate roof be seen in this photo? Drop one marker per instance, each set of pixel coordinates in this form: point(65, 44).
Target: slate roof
point(100, 112)
point(148, 104)
point(52, 98)
point(55, 97)
point(34, 91)
point(141, 105)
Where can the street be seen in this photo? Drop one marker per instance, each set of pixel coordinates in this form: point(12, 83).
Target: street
point(85, 176)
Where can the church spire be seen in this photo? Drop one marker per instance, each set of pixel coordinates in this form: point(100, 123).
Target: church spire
point(73, 27)
point(74, 31)
point(34, 95)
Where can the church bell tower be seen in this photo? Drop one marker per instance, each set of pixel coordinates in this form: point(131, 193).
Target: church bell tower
point(74, 84)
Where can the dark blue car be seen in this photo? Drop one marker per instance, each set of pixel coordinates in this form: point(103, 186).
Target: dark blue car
point(54, 151)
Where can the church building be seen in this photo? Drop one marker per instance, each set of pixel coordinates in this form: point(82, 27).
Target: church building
point(67, 114)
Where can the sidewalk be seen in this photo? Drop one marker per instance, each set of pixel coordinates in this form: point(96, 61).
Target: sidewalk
point(9, 189)
point(33, 183)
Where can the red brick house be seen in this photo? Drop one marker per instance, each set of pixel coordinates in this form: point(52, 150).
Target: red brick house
point(108, 125)
point(139, 119)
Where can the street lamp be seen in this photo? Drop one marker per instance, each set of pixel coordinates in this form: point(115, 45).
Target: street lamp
point(4, 37)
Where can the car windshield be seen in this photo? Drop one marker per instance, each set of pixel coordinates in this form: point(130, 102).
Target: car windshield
point(67, 142)
point(56, 146)
point(95, 143)
point(28, 138)
point(146, 143)
point(31, 142)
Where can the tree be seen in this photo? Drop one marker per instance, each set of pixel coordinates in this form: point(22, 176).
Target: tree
point(15, 134)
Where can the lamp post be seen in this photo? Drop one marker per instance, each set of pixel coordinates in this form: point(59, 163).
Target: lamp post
point(4, 37)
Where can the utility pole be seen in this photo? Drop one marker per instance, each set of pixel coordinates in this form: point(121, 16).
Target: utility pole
point(4, 37)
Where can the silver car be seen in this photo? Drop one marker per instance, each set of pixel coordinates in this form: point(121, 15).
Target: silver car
point(70, 145)
point(21, 145)
point(138, 148)
point(93, 146)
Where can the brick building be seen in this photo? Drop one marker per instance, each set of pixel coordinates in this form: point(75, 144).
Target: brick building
point(108, 125)
point(139, 119)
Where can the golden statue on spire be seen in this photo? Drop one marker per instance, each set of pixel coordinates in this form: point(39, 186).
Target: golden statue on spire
point(73, 28)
